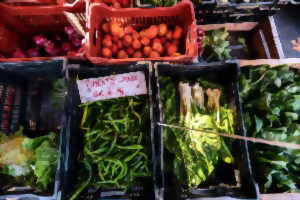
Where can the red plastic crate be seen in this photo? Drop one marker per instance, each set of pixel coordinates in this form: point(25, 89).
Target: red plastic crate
point(72, 3)
point(180, 14)
point(30, 20)
point(28, 2)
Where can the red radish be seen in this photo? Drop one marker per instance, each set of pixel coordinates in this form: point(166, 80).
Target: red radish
point(169, 35)
point(154, 54)
point(129, 30)
point(162, 29)
point(163, 40)
point(19, 54)
point(167, 44)
point(137, 54)
point(119, 44)
point(143, 33)
point(122, 54)
point(127, 40)
point(135, 34)
point(157, 46)
point(145, 41)
point(105, 27)
point(172, 49)
point(76, 42)
point(130, 51)
point(162, 50)
point(107, 36)
point(106, 53)
point(107, 42)
point(155, 40)
point(176, 54)
point(117, 5)
point(177, 32)
point(52, 49)
point(39, 40)
point(115, 39)
point(114, 49)
point(58, 38)
point(69, 30)
point(116, 29)
point(147, 51)
point(175, 42)
point(151, 32)
point(136, 44)
point(33, 52)
point(125, 3)
point(66, 46)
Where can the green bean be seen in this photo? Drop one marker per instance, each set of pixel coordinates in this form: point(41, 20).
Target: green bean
point(129, 158)
point(114, 141)
point(100, 167)
point(140, 137)
point(90, 133)
point(85, 183)
point(130, 147)
point(112, 145)
point(138, 116)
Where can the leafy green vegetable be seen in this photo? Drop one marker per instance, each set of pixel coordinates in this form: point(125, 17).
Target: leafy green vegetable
point(160, 3)
point(57, 93)
point(24, 158)
point(194, 155)
point(242, 41)
point(216, 44)
point(116, 143)
point(271, 105)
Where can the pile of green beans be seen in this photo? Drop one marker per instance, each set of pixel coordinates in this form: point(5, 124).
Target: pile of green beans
point(116, 141)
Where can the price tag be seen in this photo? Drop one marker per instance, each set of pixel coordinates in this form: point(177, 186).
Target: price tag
point(109, 87)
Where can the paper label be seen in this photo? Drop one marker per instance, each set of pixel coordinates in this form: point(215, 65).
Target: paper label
point(109, 87)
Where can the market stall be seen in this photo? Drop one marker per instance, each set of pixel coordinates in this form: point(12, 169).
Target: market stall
point(142, 99)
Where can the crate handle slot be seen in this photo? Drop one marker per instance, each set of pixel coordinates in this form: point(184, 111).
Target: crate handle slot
point(95, 36)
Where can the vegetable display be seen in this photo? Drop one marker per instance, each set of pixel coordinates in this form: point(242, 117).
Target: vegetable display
point(116, 143)
point(160, 3)
point(193, 156)
point(216, 45)
point(151, 42)
point(30, 3)
point(29, 161)
point(42, 45)
point(115, 3)
point(271, 105)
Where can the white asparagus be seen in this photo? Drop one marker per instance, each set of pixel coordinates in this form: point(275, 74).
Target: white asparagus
point(185, 94)
point(198, 95)
point(213, 101)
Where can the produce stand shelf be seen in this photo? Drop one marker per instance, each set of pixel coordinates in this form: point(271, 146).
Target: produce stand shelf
point(259, 36)
point(288, 27)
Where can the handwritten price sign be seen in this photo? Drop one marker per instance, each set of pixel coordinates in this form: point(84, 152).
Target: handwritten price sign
point(109, 87)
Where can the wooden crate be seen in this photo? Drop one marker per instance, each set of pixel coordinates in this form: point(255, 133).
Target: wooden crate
point(262, 38)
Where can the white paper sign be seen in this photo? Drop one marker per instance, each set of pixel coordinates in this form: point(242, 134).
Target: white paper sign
point(109, 87)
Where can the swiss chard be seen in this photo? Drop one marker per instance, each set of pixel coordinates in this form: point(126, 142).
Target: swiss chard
point(193, 155)
point(271, 103)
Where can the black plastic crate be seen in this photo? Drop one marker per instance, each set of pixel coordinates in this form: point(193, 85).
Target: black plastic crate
point(246, 5)
point(149, 188)
point(201, 4)
point(231, 12)
point(25, 101)
point(227, 74)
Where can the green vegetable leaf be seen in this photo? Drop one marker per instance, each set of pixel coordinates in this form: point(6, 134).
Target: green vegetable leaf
point(45, 164)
